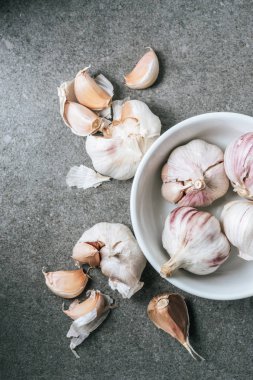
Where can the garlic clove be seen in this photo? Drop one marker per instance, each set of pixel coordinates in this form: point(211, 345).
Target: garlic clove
point(90, 92)
point(87, 253)
point(81, 120)
point(194, 242)
point(168, 311)
point(144, 73)
point(83, 177)
point(66, 283)
point(236, 219)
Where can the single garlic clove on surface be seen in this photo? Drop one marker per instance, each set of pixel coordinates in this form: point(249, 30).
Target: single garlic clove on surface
point(144, 73)
point(66, 283)
point(194, 175)
point(81, 120)
point(194, 242)
point(87, 253)
point(168, 311)
point(237, 222)
point(87, 316)
point(238, 161)
point(93, 94)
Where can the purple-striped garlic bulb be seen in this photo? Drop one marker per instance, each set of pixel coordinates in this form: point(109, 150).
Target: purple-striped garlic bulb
point(194, 175)
point(238, 161)
point(194, 242)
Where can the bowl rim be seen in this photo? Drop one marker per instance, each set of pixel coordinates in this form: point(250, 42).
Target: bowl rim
point(133, 203)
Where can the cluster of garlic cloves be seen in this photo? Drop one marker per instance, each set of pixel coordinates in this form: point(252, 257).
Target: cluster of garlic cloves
point(194, 241)
point(194, 175)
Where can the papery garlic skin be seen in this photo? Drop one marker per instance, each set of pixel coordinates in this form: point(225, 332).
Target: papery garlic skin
point(238, 161)
point(237, 222)
point(118, 153)
point(121, 258)
point(66, 283)
point(84, 177)
point(87, 253)
point(194, 242)
point(144, 73)
point(194, 175)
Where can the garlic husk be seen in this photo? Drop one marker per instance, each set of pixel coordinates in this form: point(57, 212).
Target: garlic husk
point(121, 258)
point(87, 315)
point(66, 283)
point(144, 73)
point(118, 153)
point(237, 222)
point(194, 175)
point(95, 94)
point(238, 161)
point(84, 177)
point(87, 253)
point(168, 311)
point(194, 242)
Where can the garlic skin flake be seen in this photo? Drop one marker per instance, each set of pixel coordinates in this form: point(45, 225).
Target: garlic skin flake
point(237, 222)
point(168, 311)
point(87, 316)
point(121, 258)
point(119, 151)
point(238, 160)
point(84, 177)
point(66, 283)
point(87, 253)
point(144, 73)
point(194, 175)
point(194, 242)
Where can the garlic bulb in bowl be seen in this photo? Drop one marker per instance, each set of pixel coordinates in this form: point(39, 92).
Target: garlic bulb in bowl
point(237, 221)
point(194, 242)
point(194, 174)
point(238, 161)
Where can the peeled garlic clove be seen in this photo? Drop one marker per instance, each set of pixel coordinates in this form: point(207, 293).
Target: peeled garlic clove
point(91, 94)
point(238, 160)
point(87, 316)
point(87, 253)
point(83, 177)
point(121, 258)
point(66, 283)
point(144, 73)
point(194, 175)
point(237, 221)
point(168, 311)
point(194, 242)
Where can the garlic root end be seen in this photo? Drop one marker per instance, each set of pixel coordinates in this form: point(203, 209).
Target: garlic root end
point(168, 268)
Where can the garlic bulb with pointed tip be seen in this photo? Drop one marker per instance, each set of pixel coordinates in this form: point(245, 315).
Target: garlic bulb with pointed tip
point(194, 242)
point(144, 73)
point(194, 175)
point(237, 221)
point(238, 161)
point(87, 253)
point(66, 283)
point(121, 258)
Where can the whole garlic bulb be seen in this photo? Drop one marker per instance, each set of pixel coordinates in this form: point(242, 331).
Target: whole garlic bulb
point(121, 258)
point(238, 161)
point(194, 242)
point(119, 151)
point(237, 221)
point(194, 175)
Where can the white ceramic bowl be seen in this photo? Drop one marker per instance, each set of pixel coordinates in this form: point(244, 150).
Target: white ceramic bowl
point(234, 279)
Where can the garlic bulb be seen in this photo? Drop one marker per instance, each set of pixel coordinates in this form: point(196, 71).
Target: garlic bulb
point(87, 316)
point(238, 161)
point(194, 242)
point(87, 253)
point(118, 153)
point(168, 311)
point(121, 258)
point(194, 175)
point(237, 221)
point(144, 73)
point(66, 283)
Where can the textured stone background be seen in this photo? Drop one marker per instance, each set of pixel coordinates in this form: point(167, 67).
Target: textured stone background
point(205, 51)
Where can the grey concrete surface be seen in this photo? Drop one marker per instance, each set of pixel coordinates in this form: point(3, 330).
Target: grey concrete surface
point(205, 50)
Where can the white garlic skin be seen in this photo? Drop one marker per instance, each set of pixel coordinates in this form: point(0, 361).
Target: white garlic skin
point(237, 222)
point(121, 258)
point(238, 161)
point(194, 242)
point(194, 175)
